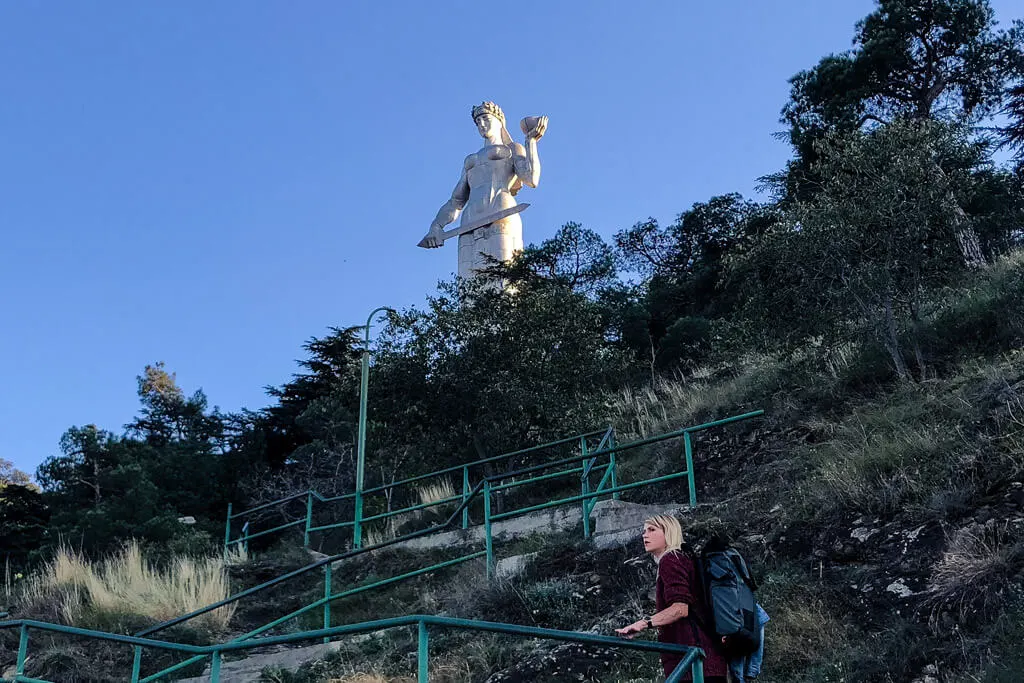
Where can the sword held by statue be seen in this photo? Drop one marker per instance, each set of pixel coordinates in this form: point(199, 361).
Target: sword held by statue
point(476, 224)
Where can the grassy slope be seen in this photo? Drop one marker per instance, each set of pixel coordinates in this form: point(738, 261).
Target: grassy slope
point(886, 520)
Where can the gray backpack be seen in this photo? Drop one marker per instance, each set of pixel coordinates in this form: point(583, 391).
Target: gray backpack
point(728, 591)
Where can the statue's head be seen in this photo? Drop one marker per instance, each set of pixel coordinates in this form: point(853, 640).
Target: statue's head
point(488, 108)
point(489, 120)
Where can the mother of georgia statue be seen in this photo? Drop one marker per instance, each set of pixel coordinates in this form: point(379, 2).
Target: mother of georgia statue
point(485, 193)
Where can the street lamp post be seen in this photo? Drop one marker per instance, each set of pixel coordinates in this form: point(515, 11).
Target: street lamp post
point(364, 381)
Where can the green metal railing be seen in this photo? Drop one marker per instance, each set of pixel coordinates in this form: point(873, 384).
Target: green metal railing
point(487, 489)
point(601, 458)
point(359, 520)
point(692, 658)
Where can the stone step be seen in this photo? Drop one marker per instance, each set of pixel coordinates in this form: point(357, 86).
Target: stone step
point(248, 670)
point(618, 523)
point(610, 517)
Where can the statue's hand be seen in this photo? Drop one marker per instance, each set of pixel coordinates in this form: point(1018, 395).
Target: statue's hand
point(534, 127)
point(434, 238)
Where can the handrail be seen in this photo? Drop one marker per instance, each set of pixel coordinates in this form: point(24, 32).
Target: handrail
point(286, 499)
point(103, 635)
point(482, 484)
point(358, 523)
point(338, 557)
point(588, 464)
point(630, 445)
point(692, 661)
point(309, 567)
point(608, 434)
point(420, 477)
point(502, 456)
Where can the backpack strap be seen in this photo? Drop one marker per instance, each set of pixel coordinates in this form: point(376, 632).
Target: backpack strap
point(742, 569)
point(700, 611)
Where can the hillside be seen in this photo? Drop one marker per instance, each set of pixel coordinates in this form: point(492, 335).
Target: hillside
point(885, 520)
point(870, 302)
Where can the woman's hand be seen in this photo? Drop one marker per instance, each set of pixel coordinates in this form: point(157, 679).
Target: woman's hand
point(631, 630)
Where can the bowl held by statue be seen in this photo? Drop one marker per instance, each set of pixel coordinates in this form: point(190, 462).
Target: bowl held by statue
point(534, 126)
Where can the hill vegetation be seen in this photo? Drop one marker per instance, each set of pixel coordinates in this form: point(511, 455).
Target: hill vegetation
point(873, 306)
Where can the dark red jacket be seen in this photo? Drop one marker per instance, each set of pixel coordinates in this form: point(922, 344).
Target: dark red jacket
point(677, 582)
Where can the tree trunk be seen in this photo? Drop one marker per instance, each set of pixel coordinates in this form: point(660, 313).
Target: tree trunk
point(967, 238)
point(891, 342)
point(96, 478)
point(654, 358)
point(922, 371)
point(918, 327)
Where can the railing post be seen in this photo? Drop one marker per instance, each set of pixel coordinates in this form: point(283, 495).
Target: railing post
point(215, 667)
point(327, 595)
point(698, 664)
point(364, 384)
point(611, 463)
point(465, 497)
point(585, 489)
point(488, 539)
point(357, 529)
point(688, 447)
point(227, 533)
point(423, 653)
point(22, 650)
point(309, 519)
point(137, 664)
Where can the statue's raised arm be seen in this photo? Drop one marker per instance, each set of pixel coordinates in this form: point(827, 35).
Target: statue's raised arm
point(484, 197)
point(528, 161)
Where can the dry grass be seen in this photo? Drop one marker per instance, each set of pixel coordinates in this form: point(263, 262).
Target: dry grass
point(375, 535)
point(436, 492)
point(429, 495)
point(126, 587)
point(800, 630)
point(975, 571)
point(803, 624)
point(237, 554)
point(668, 404)
point(839, 358)
point(441, 672)
point(882, 471)
point(10, 583)
point(960, 435)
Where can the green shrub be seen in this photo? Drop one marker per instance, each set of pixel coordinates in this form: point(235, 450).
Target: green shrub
point(984, 317)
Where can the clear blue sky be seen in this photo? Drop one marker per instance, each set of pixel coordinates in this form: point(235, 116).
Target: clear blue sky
point(211, 184)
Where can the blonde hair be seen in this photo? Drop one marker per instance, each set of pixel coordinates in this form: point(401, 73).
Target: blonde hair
point(673, 531)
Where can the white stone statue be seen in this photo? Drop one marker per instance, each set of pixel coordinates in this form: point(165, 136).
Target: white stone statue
point(485, 193)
